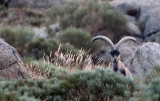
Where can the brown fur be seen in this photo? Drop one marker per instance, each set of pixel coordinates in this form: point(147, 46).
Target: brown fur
point(122, 66)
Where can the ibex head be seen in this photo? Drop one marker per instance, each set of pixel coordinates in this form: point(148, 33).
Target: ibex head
point(115, 53)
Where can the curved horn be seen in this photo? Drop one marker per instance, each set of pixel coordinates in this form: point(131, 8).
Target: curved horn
point(124, 40)
point(105, 39)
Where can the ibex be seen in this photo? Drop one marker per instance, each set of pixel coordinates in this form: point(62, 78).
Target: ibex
point(117, 64)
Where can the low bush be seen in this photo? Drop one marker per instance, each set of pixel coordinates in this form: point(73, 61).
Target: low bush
point(18, 36)
point(42, 46)
point(36, 21)
point(99, 84)
point(2, 8)
point(34, 13)
point(155, 72)
point(23, 16)
point(95, 85)
point(150, 90)
point(90, 15)
point(79, 39)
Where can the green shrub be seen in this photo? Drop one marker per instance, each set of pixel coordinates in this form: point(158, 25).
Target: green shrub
point(26, 98)
point(66, 48)
point(114, 20)
point(48, 70)
point(8, 96)
point(2, 8)
point(34, 13)
point(90, 15)
point(36, 21)
point(42, 46)
point(79, 39)
point(99, 84)
point(150, 90)
point(35, 17)
point(27, 59)
point(17, 36)
point(155, 72)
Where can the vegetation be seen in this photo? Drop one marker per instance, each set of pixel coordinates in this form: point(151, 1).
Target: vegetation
point(60, 65)
point(89, 15)
point(42, 46)
point(59, 84)
point(78, 21)
point(79, 39)
point(62, 85)
point(150, 90)
point(17, 36)
point(23, 16)
point(2, 8)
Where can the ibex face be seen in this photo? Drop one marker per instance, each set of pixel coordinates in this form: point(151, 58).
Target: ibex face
point(115, 58)
point(117, 64)
point(115, 54)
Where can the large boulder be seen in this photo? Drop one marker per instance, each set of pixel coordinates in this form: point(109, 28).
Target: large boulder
point(144, 14)
point(11, 65)
point(133, 30)
point(129, 7)
point(152, 24)
point(153, 38)
point(131, 10)
point(145, 58)
point(41, 32)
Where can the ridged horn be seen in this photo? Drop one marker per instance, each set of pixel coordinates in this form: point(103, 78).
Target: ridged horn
point(105, 39)
point(124, 40)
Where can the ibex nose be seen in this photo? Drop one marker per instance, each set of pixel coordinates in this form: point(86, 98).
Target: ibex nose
point(115, 59)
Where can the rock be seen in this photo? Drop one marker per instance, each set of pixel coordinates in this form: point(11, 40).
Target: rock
point(153, 38)
point(53, 29)
point(129, 7)
point(131, 19)
point(41, 32)
point(152, 24)
point(147, 5)
point(131, 10)
point(126, 50)
point(11, 65)
point(133, 30)
point(146, 56)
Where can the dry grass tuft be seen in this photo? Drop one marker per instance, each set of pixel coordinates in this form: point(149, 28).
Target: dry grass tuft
point(34, 71)
point(70, 60)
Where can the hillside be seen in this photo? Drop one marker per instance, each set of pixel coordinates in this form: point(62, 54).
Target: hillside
point(48, 54)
